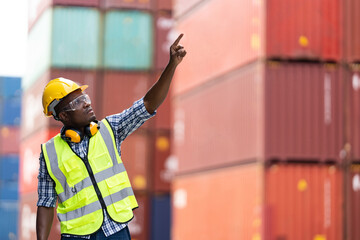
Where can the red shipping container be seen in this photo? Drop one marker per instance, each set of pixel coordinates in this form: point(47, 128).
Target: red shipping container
point(136, 155)
point(181, 7)
point(9, 140)
point(354, 202)
point(351, 30)
point(163, 26)
point(232, 196)
point(129, 4)
point(139, 225)
point(33, 117)
point(37, 7)
point(164, 5)
point(29, 159)
point(303, 201)
point(353, 78)
point(214, 47)
point(162, 169)
point(27, 218)
point(270, 111)
point(118, 90)
point(304, 29)
point(292, 30)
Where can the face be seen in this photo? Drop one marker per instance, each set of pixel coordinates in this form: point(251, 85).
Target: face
point(76, 111)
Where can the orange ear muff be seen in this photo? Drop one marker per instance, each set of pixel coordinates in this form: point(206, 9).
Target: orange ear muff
point(93, 128)
point(73, 135)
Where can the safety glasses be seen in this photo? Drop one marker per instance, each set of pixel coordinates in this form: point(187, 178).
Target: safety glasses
point(77, 103)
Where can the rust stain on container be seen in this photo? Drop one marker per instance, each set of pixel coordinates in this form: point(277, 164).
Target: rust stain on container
point(232, 195)
point(314, 212)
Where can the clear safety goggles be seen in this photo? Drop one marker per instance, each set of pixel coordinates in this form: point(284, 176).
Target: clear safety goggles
point(77, 103)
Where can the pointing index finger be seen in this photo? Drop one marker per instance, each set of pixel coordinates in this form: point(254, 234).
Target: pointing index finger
point(178, 40)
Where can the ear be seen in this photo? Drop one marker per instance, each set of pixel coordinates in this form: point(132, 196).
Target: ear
point(64, 117)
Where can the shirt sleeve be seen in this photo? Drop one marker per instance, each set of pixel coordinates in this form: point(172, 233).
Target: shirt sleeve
point(46, 186)
point(126, 122)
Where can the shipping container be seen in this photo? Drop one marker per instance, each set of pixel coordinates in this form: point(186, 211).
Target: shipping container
point(182, 7)
point(164, 36)
point(128, 40)
point(10, 87)
point(135, 155)
point(30, 149)
point(139, 225)
point(279, 111)
point(354, 202)
point(118, 90)
point(9, 140)
point(10, 111)
point(9, 190)
point(353, 81)
point(166, 5)
point(161, 167)
point(37, 7)
point(64, 37)
point(27, 218)
point(351, 31)
point(32, 110)
point(8, 220)
point(9, 167)
point(279, 29)
point(221, 204)
point(160, 217)
point(303, 201)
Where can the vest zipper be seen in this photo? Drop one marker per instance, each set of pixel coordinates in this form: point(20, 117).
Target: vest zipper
point(96, 187)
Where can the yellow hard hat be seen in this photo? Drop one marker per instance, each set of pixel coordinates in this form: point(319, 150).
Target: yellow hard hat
point(55, 90)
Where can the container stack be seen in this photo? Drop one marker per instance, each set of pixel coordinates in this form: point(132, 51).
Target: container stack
point(118, 48)
point(258, 120)
point(10, 105)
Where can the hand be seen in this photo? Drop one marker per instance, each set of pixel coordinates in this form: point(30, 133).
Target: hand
point(177, 52)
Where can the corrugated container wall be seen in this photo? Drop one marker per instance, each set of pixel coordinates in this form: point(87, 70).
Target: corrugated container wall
point(126, 4)
point(10, 87)
point(303, 201)
point(34, 118)
point(163, 27)
point(8, 220)
point(232, 196)
point(351, 30)
point(303, 29)
point(9, 139)
point(353, 78)
point(160, 217)
point(55, 42)
point(267, 101)
point(9, 167)
point(182, 7)
point(139, 225)
point(354, 201)
point(231, 47)
point(128, 40)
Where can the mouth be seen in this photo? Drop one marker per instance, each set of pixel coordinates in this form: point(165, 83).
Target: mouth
point(90, 111)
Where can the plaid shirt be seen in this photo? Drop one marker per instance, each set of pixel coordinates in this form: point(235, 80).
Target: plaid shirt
point(123, 124)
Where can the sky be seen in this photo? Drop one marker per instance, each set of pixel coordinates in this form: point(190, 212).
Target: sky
point(13, 35)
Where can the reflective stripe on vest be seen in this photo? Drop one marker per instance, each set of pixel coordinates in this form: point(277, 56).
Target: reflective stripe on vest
point(110, 174)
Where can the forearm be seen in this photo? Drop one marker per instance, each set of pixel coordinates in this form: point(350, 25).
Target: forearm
point(158, 92)
point(44, 219)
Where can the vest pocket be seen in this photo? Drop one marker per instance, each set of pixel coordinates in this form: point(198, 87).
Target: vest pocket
point(74, 170)
point(101, 162)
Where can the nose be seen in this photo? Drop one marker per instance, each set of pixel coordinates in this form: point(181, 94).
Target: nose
point(86, 104)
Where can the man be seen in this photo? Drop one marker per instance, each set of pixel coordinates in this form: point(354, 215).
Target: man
point(81, 167)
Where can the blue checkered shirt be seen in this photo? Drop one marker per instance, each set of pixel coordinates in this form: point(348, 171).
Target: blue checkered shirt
point(123, 125)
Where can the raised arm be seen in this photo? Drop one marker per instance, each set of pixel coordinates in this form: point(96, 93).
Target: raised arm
point(157, 93)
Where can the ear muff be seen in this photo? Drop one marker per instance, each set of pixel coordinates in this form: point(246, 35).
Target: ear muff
point(73, 135)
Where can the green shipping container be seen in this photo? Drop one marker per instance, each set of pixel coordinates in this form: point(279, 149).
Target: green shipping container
point(128, 42)
point(64, 37)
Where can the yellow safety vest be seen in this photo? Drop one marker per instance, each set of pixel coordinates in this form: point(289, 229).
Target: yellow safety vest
point(87, 186)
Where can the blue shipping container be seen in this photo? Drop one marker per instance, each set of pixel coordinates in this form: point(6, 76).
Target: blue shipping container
point(9, 168)
point(10, 111)
point(9, 190)
point(10, 87)
point(160, 217)
point(9, 219)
